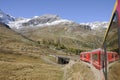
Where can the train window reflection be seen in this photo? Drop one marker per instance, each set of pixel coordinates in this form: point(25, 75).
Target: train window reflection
point(112, 49)
point(112, 36)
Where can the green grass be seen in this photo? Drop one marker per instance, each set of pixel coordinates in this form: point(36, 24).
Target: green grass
point(20, 59)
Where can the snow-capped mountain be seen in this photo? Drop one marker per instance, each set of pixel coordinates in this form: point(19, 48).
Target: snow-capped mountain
point(38, 21)
point(5, 18)
point(95, 25)
point(44, 20)
point(18, 23)
point(50, 20)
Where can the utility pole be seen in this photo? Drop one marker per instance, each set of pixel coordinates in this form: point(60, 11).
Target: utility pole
point(119, 41)
point(105, 60)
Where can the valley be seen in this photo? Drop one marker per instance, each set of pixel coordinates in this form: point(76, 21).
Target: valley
point(30, 51)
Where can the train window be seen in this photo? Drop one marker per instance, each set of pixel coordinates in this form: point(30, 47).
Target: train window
point(112, 55)
point(85, 55)
point(80, 55)
point(95, 57)
point(115, 55)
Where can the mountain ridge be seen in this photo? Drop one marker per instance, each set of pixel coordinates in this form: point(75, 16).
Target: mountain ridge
point(44, 20)
point(51, 30)
point(5, 18)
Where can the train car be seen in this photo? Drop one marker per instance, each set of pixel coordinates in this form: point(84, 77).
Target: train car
point(110, 47)
point(116, 56)
point(85, 56)
point(112, 56)
point(95, 57)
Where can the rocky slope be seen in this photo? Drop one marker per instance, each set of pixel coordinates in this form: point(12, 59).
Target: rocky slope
point(38, 21)
point(67, 37)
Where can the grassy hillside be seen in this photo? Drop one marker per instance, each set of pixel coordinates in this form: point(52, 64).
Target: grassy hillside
point(20, 59)
point(68, 38)
point(24, 59)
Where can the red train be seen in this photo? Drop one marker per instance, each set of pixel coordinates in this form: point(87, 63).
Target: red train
point(96, 57)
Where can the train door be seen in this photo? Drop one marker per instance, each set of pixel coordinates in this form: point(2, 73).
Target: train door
point(96, 59)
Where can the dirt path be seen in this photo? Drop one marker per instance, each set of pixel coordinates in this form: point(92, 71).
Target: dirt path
point(76, 70)
point(48, 60)
point(110, 64)
point(97, 73)
point(79, 72)
point(113, 71)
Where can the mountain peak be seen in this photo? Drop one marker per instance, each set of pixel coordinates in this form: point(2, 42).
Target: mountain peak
point(50, 15)
point(44, 20)
point(47, 18)
point(5, 18)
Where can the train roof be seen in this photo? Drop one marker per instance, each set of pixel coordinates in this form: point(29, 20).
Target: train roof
point(99, 49)
point(85, 52)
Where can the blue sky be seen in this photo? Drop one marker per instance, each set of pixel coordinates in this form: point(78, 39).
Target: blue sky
point(76, 10)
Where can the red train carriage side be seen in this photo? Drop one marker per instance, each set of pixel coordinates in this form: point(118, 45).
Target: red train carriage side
point(112, 56)
point(116, 56)
point(95, 57)
point(92, 57)
point(85, 56)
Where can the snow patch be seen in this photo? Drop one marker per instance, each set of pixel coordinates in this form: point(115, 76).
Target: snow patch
point(35, 16)
point(17, 24)
point(56, 22)
point(96, 24)
point(1, 15)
